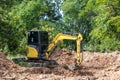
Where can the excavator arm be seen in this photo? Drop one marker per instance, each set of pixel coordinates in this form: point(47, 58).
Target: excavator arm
point(62, 36)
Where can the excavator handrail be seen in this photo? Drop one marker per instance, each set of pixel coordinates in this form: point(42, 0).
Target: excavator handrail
point(62, 36)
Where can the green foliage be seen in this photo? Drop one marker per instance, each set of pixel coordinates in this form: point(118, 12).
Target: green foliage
point(26, 13)
point(97, 20)
point(78, 17)
point(114, 23)
point(6, 30)
point(105, 34)
point(16, 17)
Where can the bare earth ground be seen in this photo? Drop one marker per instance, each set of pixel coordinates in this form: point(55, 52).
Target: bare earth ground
point(95, 66)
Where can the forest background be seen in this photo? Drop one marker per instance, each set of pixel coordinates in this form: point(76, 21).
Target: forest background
point(97, 20)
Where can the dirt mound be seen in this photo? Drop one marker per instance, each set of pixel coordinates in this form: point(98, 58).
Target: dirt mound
point(93, 63)
point(5, 64)
point(94, 66)
point(6, 67)
point(63, 56)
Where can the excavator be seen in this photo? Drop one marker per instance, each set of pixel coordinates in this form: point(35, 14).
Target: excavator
point(39, 49)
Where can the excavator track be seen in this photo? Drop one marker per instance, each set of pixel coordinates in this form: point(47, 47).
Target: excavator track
point(35, 62)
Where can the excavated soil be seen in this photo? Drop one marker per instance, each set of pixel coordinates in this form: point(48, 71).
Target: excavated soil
point(95, 66)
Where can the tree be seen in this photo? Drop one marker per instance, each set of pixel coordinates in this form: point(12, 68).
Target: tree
point(98, 21)
point(5, 27)
point(18, 17)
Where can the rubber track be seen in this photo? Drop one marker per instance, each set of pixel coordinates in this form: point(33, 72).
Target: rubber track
point(35, 63)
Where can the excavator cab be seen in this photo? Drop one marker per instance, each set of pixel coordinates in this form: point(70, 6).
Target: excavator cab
point(37, 43)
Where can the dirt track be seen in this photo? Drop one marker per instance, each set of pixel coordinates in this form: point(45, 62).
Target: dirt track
point(96, 66)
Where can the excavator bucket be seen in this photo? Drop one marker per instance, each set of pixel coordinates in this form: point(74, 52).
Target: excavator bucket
point(72, 66)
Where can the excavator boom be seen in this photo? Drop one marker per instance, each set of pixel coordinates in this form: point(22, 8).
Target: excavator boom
point(62, 36)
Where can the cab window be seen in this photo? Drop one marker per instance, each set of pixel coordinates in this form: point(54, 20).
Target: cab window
point(32, 37)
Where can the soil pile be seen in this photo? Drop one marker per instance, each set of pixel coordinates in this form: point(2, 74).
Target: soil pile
point(64, 56)
point(6, 66)
point(94, 66)
point(92, 63)
point(100, 66)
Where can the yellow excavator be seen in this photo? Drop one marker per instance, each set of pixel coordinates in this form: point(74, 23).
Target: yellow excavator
point(40, 49)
